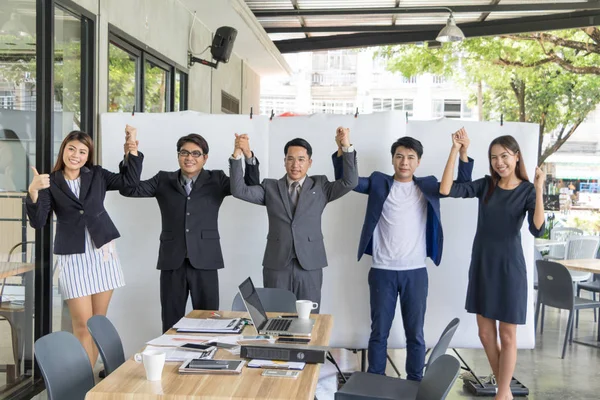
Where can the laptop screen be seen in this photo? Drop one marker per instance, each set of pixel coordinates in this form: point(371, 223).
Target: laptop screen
point(253, 304)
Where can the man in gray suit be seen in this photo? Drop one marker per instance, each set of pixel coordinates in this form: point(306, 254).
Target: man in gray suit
point(295, 254)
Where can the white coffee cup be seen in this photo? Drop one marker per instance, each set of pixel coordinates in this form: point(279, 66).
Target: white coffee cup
point(153, 361)
point(304, 307)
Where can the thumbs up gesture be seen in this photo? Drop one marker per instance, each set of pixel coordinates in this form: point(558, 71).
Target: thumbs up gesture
point(39, 181)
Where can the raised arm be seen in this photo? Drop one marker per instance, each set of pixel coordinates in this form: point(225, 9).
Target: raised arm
point(240, 189)
point(535, 206)
point(38, 201)
point(448, 176)
point(364, 184)
point(130, 169)
point(349, 176)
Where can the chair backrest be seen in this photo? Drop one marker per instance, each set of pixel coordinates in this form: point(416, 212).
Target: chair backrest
point(561, 234)
point(25, 255)
point(439, 378)
point(581, 247)
point(272, 299)
point(442, 345)
point(65, 366)
point(555, 286)
point(108, 341)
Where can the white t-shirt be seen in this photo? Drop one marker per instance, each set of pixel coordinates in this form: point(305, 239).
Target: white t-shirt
point(399, 241)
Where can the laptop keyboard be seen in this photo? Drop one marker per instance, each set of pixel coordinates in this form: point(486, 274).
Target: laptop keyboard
point(278, 324)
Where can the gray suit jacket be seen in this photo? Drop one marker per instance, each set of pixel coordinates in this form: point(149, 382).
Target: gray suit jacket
point(301, 230)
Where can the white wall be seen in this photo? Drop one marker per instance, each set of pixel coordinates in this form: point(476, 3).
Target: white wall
point(164, 25)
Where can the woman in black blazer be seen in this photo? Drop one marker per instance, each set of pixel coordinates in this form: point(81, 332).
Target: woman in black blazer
point(87, 262)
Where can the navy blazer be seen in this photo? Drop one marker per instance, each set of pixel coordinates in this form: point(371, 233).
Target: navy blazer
point(378, 185)
point(74, 214)
point(189, 223)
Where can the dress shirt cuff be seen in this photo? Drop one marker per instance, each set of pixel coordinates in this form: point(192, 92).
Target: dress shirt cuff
point(349, 149)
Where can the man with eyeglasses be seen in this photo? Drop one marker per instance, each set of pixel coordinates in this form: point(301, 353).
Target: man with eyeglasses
point(190, 254)
point(295, 254)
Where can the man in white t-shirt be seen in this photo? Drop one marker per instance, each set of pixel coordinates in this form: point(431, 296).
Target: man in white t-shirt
point(402, 228)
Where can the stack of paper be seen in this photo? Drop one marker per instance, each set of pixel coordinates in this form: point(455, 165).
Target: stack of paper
point(209, 325)
point(177, 354)
point(178, 340)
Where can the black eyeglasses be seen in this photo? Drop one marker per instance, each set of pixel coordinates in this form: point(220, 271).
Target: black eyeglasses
point(185, 153)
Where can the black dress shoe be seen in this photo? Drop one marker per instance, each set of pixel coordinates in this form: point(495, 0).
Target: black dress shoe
point(102, 374)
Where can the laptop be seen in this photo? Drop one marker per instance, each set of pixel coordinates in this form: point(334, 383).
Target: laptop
point(271, 326)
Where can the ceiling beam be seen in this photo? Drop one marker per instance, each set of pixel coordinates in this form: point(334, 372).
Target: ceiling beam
point(484, 8)
point(353, 28)
point(489, 28)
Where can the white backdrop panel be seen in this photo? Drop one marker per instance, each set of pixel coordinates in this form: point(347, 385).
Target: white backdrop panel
point(243, 226)
point(135, 309)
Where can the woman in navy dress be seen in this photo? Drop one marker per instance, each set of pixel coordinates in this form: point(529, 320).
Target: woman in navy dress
point(497, 289)
point(86, 259)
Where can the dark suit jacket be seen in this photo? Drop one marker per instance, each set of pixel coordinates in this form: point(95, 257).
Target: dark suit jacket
point(377, 187)
point(189, 224)
point(74, 214)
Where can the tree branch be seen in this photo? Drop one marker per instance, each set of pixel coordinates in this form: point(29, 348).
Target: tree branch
point(559, 142)
point(558, 41)
point(593, 33)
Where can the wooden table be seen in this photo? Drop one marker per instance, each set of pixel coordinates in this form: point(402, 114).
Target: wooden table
point(8, 269)
point(585, 265)
point(129, 380)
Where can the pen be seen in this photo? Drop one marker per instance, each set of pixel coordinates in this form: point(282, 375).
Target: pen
point(215, 314)
point(231, 323)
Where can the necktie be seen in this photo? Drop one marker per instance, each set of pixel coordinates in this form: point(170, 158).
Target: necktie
point(188, 186)
point(294, 195)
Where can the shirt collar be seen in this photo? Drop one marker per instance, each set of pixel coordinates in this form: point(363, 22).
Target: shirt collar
point(183, 179)
point(290, 181)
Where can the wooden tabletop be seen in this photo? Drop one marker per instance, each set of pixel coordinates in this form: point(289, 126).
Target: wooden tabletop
point(129, 380)
point(585, 265)
point(14, 268)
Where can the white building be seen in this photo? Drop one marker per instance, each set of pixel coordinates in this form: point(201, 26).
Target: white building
point(342, 81)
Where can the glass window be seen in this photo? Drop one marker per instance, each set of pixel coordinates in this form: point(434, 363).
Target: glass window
point(178, 92)
point(17, 152)
point(122, 68)
point(155, 88)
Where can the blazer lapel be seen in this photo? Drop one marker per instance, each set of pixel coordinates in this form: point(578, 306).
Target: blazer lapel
point(305, 197)
point(86, 181)
point(201, 180)
point(64, 186)
point(174, 178)
point(285, 198)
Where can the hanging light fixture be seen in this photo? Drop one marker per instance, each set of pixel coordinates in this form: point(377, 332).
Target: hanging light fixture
point(14, 27)
point(451, 32)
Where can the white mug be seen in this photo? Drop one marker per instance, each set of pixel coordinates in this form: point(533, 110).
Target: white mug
point(153, 361)
point(304, 307)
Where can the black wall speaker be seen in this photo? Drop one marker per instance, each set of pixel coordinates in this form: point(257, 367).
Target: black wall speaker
point(222, 44)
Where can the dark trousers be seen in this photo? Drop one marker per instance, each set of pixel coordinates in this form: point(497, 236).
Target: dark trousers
point(385, 286)
point(202, 284)
point(306, 285)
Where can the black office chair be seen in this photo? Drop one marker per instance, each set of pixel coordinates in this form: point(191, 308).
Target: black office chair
point(593, 287)
point(272, 299)
point(108, 341)
point(65, 366)
point(436, 384)
point(555, 289)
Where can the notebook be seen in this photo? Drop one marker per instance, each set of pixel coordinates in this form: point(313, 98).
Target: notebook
point(201, 366)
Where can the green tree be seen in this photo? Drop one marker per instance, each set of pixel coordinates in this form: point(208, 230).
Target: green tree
point(550, 79)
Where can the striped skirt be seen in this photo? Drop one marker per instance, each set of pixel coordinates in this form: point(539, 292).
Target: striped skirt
point(95, 271)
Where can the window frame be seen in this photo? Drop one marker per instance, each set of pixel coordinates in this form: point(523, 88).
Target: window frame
point(144, 53)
